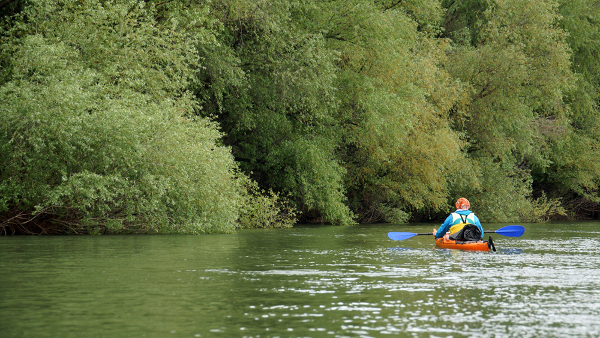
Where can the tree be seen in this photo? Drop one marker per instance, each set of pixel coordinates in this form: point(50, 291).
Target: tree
point(269, 82)
point(575, 170)
point(517, 68)
point(99, 132)
point(397, 144)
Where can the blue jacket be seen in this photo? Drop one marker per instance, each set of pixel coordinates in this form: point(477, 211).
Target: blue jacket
point(451, 220)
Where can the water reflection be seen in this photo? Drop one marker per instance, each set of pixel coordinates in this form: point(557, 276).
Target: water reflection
point(510, 251)
point(400, 249)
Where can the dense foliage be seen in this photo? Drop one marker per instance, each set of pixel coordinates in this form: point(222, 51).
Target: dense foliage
point(99, 131)
point(186, 116)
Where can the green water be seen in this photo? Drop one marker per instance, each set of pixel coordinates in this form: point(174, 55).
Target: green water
point(313, 281)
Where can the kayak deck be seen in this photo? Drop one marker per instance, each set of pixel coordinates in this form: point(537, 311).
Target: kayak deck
point(465, 245)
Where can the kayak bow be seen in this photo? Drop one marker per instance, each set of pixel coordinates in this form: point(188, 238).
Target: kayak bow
point(465, 245)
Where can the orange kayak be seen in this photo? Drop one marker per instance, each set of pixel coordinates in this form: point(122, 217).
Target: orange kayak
point(464, 245)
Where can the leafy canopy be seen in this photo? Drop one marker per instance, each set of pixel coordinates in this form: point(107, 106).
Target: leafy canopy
point(98, 129)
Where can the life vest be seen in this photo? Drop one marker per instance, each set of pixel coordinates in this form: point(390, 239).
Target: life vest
point(459, 221)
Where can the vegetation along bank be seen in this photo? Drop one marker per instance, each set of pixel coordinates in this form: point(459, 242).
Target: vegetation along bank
point(190, 116)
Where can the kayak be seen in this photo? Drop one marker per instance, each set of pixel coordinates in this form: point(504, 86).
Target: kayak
point(509, 231)
point(465, 245)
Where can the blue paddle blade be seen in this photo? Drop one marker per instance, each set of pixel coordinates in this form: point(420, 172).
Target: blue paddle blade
point(511, 231)
point(400, 236)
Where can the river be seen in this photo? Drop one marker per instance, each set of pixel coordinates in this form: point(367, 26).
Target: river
point(307, 281)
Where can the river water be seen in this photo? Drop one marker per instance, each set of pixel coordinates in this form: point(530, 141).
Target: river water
point(308, 281)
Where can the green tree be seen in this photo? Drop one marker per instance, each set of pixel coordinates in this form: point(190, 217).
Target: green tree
point(517, 69)
point(98, 131)
point(394, 98)
point(269, 82)
point(326, 100)
point(575, 170)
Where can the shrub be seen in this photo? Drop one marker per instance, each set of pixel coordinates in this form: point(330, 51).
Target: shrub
point(95, 127)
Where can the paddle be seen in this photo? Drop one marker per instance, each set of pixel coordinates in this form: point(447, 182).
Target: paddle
point(400, 236)
point(508, 231)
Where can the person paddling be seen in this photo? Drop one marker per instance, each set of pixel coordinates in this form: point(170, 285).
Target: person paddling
point(462, 224)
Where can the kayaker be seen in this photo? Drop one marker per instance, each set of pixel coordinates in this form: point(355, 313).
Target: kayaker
point(456, 221)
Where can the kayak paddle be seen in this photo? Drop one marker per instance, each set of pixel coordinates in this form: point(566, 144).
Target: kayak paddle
point(400, 236)
point(508, 231)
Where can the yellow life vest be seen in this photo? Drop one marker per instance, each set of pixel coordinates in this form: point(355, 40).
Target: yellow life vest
point(459, 221)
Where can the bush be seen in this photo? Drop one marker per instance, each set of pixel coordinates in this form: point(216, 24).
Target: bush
point(543, 210)
point(500, 193)
point(265, 210)
point(96, 134)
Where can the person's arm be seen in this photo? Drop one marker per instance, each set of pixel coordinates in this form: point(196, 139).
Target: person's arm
point(478, 223)
point(444, 227)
